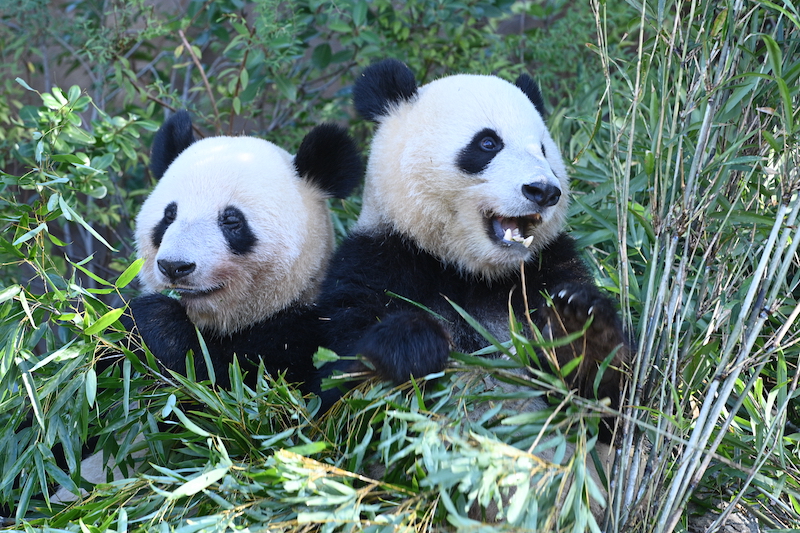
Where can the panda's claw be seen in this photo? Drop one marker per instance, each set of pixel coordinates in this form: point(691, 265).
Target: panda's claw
point(574, 305)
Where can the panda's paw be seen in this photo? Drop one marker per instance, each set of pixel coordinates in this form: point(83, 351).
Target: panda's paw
point(156, 314)
point(406, 344)
point(162, 323)
point(573, 306)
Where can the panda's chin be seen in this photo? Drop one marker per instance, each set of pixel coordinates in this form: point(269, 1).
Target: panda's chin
point(513, 231)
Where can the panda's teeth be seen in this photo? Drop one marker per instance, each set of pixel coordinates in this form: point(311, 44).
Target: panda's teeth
point(513, 235)
point(513, 232)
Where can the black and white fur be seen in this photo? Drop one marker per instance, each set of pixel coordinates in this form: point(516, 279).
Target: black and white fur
point(464, 188)
point(241, 231)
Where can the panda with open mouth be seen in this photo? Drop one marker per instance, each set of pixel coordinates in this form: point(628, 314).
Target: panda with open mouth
point(465, 200)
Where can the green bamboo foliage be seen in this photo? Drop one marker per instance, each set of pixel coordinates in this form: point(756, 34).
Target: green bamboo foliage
point(682, 133)
point(704, 167)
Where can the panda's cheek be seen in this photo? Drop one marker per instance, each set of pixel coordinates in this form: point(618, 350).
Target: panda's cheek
point(488, 197)
point(148, 277)
point(234, 267)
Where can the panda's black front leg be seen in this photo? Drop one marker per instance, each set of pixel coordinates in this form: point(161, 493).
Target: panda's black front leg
point(573, 305)
point(405, 344)
point(162, 323)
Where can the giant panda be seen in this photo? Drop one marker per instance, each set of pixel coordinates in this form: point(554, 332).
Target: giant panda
point(465, 199)
point(240, 230)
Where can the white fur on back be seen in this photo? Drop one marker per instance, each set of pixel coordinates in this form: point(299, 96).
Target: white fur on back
point(415, 187)
point(287, 215)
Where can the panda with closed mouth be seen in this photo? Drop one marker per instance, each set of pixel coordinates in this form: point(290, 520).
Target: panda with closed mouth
point(240, 230)
point(465, 199)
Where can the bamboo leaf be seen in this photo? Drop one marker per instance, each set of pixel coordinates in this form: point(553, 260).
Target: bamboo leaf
point(308, 449)
point(66, 352)
point(70, 214)
point(24, 84)
point(91, 386)
point(774, 55)
point(201, 482)
point(28, 235)
point(323, 356)
point(788, 109)
point(188, 424)
point(104, 321)
point(130, 273)
point(212, 376)
point(479, 328)
point(9, 292)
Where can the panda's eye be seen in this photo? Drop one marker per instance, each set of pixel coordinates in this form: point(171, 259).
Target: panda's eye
point(489, 144)
point(231, 220)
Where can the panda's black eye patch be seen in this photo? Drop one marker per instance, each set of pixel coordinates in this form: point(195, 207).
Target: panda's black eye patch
point(476, 156)
point(236, 230)
point(170, 213)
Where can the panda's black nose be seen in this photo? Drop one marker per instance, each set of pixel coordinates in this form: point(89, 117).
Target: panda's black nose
point(542, 194)
point(175, 270)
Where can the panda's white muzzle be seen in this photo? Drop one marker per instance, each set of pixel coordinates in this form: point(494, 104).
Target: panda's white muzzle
point(178, 277)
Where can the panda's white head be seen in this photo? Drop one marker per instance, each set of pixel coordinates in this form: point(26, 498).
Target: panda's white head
point(238, 227)
point(464, 166)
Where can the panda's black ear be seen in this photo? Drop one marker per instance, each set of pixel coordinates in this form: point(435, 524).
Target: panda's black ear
point(329, 158)
point(381, 86)
point(531, 90)
point(172, 138)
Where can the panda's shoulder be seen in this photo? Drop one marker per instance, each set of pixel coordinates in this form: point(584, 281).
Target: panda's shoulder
point(563, 247)
point(376, 248)
point(561, 257)
point(375, 261)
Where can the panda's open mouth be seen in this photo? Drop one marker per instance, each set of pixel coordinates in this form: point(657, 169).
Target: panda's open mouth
point(513, 230)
